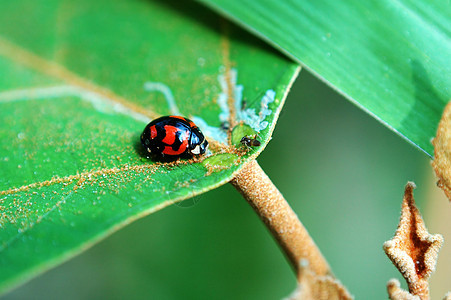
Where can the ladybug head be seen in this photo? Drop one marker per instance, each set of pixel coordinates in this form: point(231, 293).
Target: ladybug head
point(198, 144)
point(200, 148)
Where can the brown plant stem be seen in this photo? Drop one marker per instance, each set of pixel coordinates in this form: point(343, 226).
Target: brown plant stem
point(276, 213)
point(413, 250)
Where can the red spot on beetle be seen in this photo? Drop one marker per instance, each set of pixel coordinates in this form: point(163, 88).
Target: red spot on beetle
point(178, 117)
point(153, 132)
point(169, 151)
point(171, 132)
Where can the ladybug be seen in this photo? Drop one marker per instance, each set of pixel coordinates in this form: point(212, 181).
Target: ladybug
point(250, 142)
point(172, 137)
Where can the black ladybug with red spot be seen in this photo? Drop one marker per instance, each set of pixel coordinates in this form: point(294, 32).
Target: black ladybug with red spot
point(173, 137)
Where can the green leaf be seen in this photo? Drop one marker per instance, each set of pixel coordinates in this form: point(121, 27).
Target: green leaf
point(391, 58)
point(78, 83)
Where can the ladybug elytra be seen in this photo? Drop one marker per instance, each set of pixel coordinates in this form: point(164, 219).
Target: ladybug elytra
point(171, 137)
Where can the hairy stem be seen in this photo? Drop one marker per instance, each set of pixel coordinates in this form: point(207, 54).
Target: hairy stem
point(276, 213)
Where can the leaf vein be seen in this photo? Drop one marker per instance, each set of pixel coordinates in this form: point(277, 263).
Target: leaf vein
point(55, 70)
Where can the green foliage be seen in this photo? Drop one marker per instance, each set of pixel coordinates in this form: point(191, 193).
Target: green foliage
point(391, 58)
point(78, 83)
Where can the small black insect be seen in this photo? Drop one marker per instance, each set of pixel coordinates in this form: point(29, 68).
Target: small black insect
point(225, 125)
point(250, 142)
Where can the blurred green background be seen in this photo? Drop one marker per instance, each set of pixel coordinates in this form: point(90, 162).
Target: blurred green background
point(342, 172)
